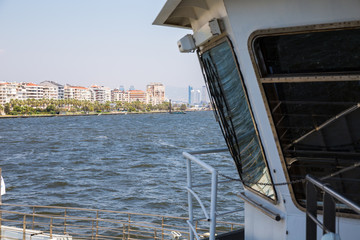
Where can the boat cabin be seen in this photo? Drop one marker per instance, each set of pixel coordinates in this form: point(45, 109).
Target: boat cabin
point(284, 78)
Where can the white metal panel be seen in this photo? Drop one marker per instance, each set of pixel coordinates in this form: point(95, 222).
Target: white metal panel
point(261, 227)
point(246, 17)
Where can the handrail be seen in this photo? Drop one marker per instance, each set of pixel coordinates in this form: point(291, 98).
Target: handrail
point(81, 223)
point(215, 150)
point(334, 194)
point(267, 212)
point(211, 218)
point(329, 207)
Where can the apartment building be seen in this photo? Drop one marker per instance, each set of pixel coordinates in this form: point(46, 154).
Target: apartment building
point(30, 91)
point(7, 92)
point(155, 93)
point(100, 93)
point(137, 95)
point(52, 90)
point(119, 95)
point(77, 92)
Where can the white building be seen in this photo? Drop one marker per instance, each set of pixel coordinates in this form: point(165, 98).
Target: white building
point(52, 90)
point(77, 92)
point(100, 94)
point(30, 91)
point(7, 92)
point(118, 95)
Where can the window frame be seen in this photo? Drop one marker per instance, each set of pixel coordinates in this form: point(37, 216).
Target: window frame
point(208, 46)
point(293, 78)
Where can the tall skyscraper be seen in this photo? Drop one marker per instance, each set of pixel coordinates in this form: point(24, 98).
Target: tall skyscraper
point(189, 91)
point(132, 88)
point(197, 97)
point(121, 88)
point(204, 95)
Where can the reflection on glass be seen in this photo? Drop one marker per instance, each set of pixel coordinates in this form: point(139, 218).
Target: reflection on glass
point(228, 95)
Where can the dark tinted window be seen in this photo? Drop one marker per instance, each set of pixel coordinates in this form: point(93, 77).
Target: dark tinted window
point(312, 52)
point(229, 97)
point(318, 126)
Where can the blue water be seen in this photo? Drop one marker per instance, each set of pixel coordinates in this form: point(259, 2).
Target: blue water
point(118, 162)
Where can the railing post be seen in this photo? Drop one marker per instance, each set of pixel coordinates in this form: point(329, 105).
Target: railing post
point(311, 208)
point(51, 227)
point(33, 219)
point(65, 221)
point(123, 232)
point(97, 224)
point(214, 180)
point(24, 227)
point(162, 228)
point(329, 213)
point(189, 185)
point(128, 226)
point(92, 229)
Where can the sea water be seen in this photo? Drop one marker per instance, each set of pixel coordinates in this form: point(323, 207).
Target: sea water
point(127, 162)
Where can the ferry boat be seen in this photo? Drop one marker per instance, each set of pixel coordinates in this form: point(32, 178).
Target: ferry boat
point(284, 78)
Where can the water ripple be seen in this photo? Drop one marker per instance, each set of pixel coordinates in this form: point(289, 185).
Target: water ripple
point(120, 162)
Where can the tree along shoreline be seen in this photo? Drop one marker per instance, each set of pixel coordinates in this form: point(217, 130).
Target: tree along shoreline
point(77, 114)
point(71, 107)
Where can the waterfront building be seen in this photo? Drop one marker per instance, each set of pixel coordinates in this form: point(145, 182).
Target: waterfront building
point(7, 92)
point(31, 91)
point(52, 90)
point(100, 93)
point(107, 94)
point(155, 93)
point(119, 95)
point(77, 92)
point(20, 92)
point(137, 95)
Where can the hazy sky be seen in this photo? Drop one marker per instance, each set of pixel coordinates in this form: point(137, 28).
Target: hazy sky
point(84, 42)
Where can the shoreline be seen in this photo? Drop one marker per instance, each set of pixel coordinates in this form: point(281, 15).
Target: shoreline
point(76, 115)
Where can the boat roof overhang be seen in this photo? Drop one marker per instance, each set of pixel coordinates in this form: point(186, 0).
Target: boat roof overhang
point(180, 13)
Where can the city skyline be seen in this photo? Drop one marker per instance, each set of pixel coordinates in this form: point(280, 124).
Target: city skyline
point(154, 93)
point(97, 42)
point(197, 96)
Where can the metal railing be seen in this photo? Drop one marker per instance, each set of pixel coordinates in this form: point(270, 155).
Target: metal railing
point(210, 217)
point(26, 221)
point(329, 207)
point(80, 223)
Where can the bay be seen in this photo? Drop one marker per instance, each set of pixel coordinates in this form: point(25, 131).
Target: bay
point(115, 162)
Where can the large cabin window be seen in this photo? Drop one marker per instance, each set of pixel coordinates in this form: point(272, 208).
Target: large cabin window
point(313, 97)
point(310, 53)
point(229, 97)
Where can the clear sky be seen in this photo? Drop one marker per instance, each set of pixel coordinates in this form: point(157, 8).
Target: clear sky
point(85, 42)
